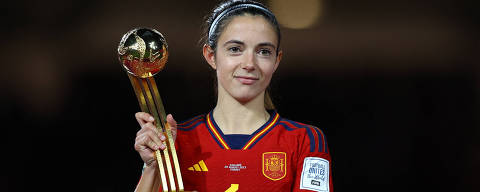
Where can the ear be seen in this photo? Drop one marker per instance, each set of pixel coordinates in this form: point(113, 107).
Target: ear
point(279, 58)
point(209, 56)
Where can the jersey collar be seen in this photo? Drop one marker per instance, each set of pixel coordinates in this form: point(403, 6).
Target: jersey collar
point(219, 137)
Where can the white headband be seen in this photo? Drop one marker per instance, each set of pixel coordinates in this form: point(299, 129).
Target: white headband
point(213, 27)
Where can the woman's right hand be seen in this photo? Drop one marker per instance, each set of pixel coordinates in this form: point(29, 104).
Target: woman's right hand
point(149, 139)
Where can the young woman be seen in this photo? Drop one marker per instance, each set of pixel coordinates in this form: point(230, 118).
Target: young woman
point(240, 145)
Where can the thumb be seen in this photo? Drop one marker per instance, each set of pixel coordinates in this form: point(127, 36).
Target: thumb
point(173, 125)
point(171, 122)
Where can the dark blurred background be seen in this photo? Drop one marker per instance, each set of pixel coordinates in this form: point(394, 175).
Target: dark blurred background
point(393, 84)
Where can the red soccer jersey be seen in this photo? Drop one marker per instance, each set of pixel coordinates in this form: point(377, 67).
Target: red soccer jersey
point(282, 155)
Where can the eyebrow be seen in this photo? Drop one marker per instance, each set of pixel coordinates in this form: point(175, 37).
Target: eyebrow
point(267, 44)
point(242, 43)
point(233, 41)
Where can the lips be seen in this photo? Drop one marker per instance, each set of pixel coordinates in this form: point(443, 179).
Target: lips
point(246, 80)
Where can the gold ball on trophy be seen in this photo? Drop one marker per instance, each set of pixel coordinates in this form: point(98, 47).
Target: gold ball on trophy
point(143, 52)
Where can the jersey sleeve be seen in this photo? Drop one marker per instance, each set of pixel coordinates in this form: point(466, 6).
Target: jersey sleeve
point(313, 171)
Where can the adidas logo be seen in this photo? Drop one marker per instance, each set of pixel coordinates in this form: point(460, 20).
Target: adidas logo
point(200, 166)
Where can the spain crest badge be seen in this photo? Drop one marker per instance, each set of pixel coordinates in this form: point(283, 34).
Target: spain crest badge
point(274, 165)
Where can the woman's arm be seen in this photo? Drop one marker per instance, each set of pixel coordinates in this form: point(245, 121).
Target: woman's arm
point(314, 164)
point(148, 140)
point(148, 181)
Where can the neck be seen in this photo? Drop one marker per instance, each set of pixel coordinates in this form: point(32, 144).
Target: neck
point(234, 117)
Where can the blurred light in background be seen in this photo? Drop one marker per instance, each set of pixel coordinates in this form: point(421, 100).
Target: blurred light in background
point(299, 14)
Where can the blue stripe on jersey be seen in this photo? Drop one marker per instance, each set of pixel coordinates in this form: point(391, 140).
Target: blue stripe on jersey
point(320, 137)
point(286, 126)
point(191, 123)
point(321, 146)
point(309, 133)
point(190, 127)
point(191, 120)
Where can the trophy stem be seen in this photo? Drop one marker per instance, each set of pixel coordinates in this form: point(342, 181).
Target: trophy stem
point(168, 131)
point(150, 102)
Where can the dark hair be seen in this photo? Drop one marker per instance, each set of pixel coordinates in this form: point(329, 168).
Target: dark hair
point(223, 14)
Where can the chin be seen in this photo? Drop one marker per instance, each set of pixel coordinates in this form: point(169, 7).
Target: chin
point(245, 98)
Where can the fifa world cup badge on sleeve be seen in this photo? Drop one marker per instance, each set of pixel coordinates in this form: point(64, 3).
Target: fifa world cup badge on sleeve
point(315, 174)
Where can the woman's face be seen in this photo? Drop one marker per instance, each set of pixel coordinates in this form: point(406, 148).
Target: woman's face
point(246, 57)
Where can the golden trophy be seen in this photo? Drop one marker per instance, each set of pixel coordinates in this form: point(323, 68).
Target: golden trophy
point(143, 52)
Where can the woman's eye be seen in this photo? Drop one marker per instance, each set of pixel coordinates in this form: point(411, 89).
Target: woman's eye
point(265, 52)
point(234, 49)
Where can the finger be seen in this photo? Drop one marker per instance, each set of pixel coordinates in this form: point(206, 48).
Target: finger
point(143, 118)
point(150, 127)
point(155, 143)
point(153, 128)
point(140, 143)
point(146, 143)
point(151, 131)
point(147, 127)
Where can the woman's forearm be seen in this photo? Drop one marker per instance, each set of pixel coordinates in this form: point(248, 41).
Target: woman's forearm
point(149, 181)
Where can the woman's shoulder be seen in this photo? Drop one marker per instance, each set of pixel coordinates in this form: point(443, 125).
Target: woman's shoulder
point(191, 122)
point(315, 137)
point(291, 125)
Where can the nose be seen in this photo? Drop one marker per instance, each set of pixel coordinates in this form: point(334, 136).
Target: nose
point(250, 62)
